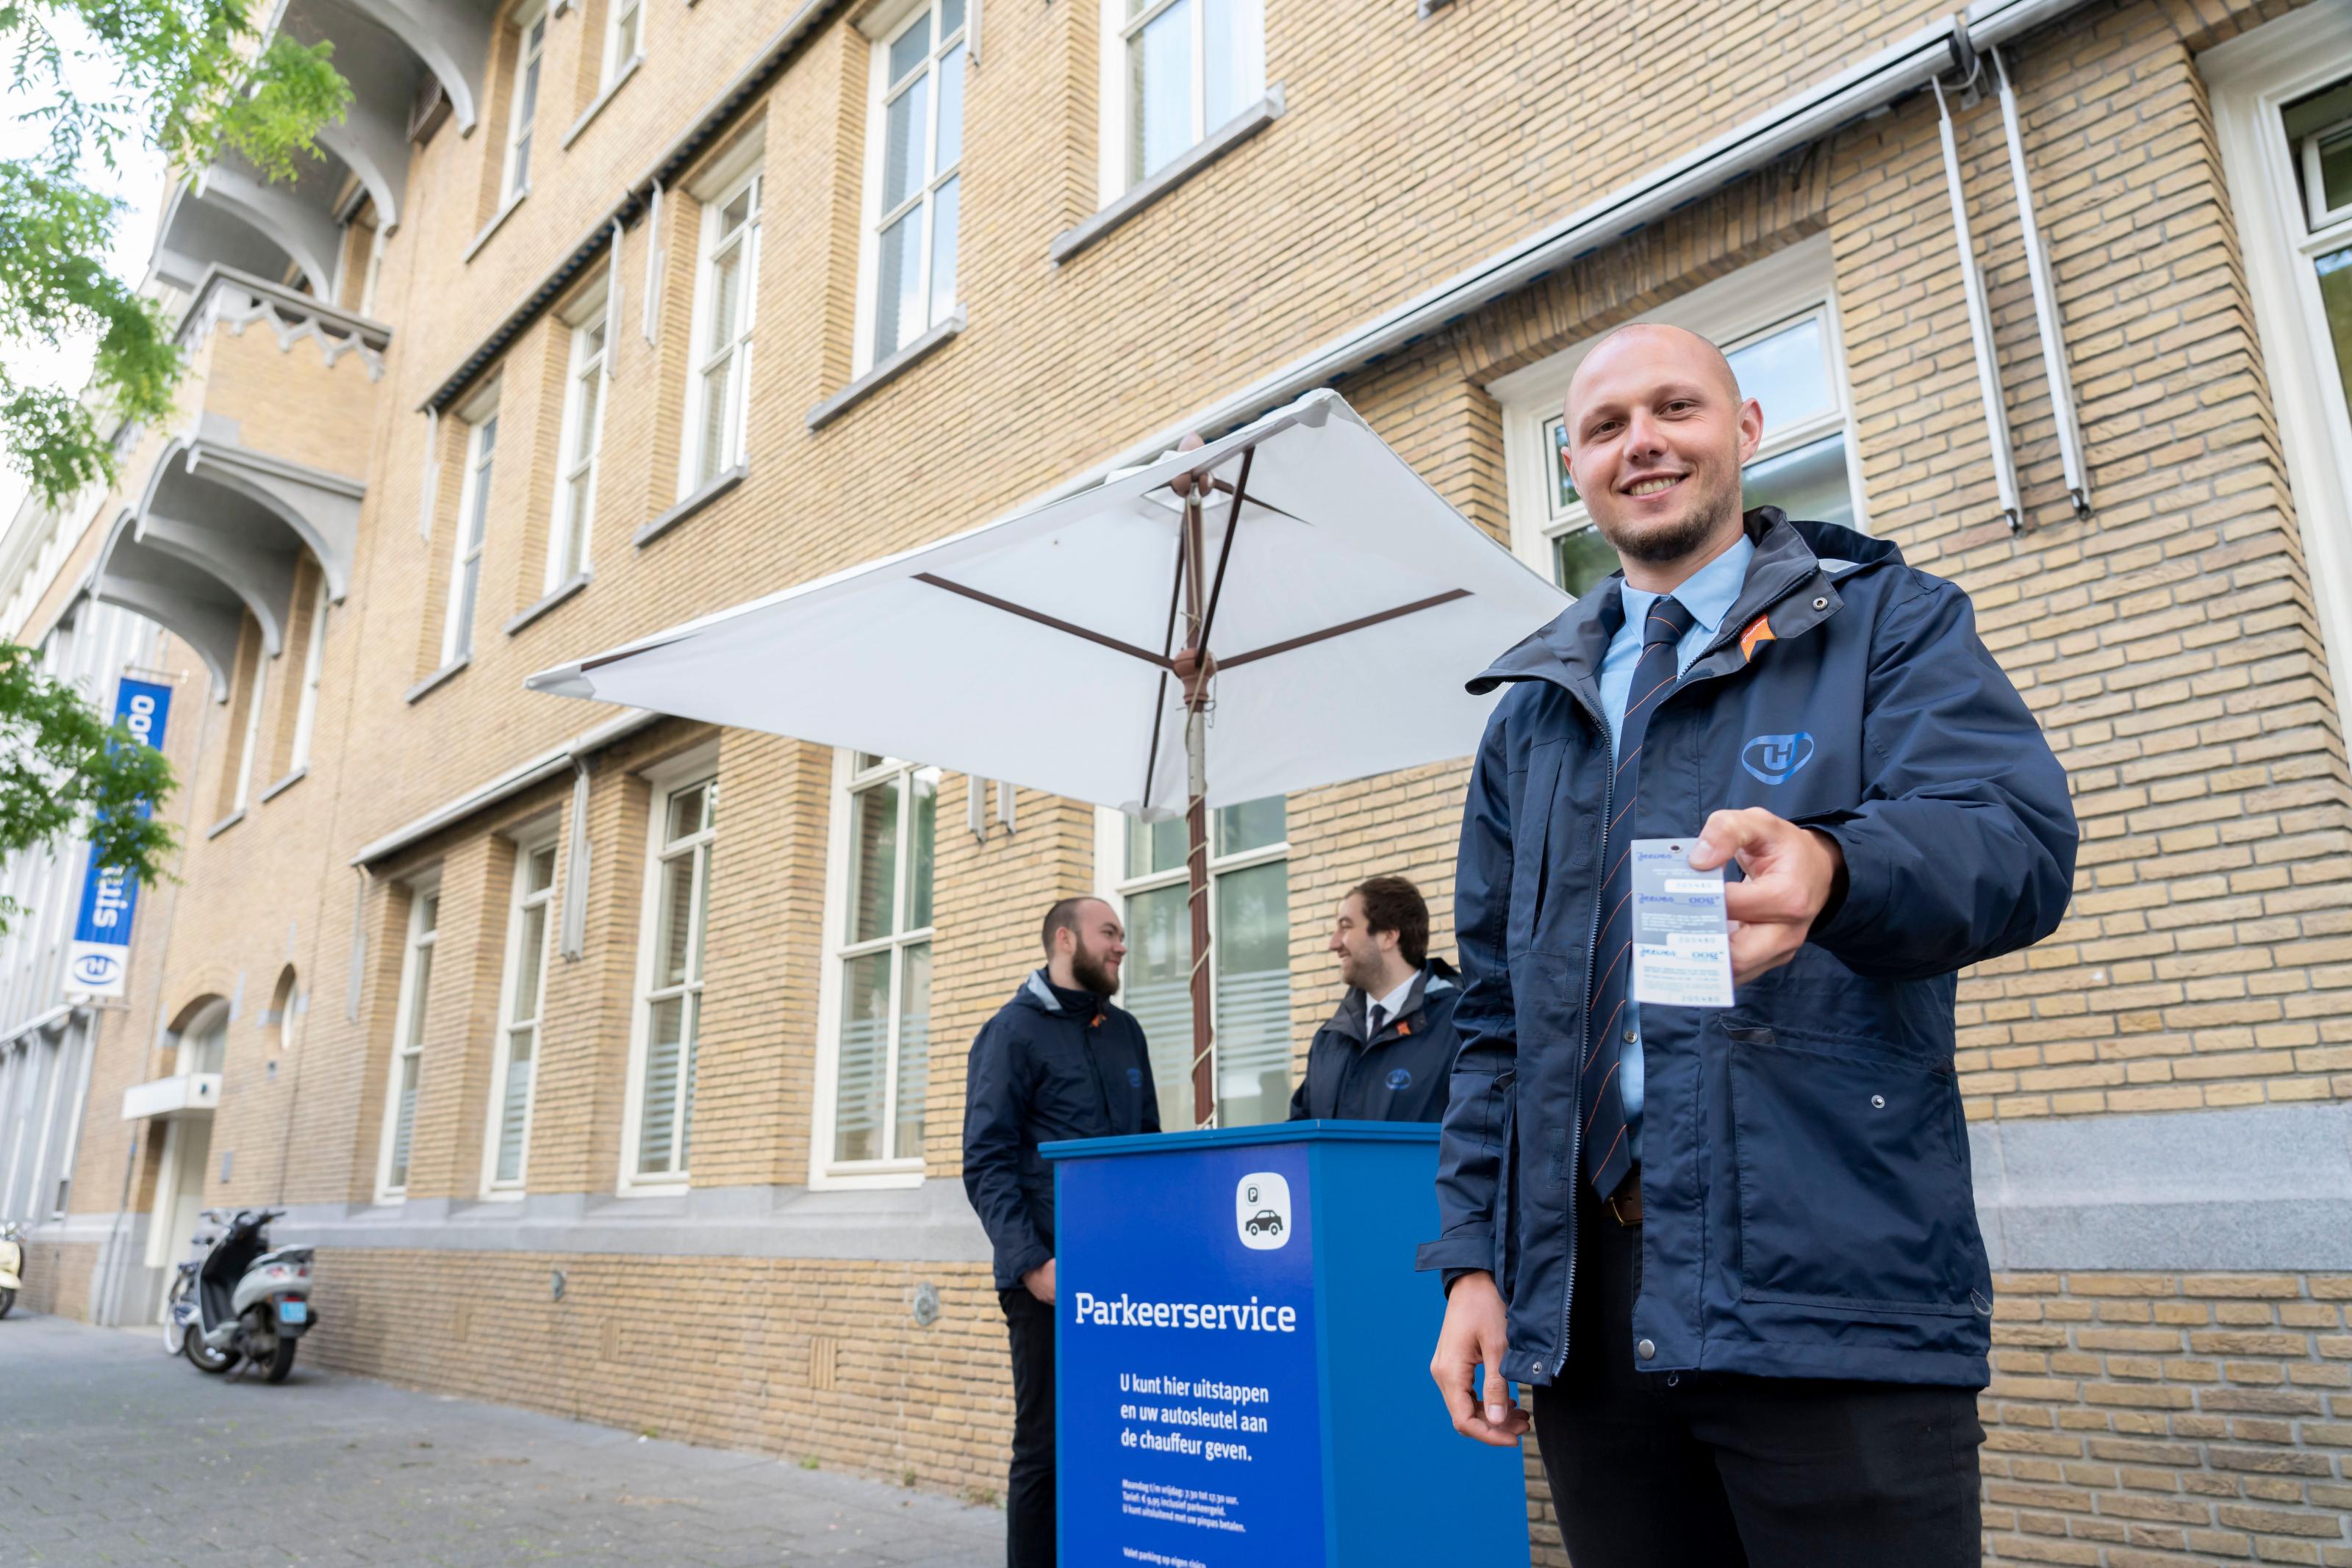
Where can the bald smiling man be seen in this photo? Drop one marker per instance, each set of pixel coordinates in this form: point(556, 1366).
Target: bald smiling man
point(1733, 1250)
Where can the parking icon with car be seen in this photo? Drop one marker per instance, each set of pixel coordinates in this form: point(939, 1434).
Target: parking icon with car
point(1262, 1210)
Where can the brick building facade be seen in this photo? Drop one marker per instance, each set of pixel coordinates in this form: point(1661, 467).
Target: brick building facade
point(615, 1062)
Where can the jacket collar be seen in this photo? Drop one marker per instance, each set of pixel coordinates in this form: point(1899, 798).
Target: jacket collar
point(1037, 994)
point(1789, 555)
point(1436, 978)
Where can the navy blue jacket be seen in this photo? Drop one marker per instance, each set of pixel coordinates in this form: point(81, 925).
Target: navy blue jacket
point(1040, 1071)
point(1401, 1074)
point(1807, 1206)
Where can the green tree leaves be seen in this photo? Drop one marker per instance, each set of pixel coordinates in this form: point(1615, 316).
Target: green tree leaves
point(194, 80)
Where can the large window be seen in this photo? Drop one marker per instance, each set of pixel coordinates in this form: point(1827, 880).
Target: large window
point(1175, 70)
point(2282, 99)
point(916, 151)
point(1249, 925)
point(583, 429)
point(669, 990)
point(1777, 323)
point(722, 331)
point(466, 549)
point(408, 1041)
point(514, 1066)
point(530, 47)
point(876, 1071)
point(624, 37)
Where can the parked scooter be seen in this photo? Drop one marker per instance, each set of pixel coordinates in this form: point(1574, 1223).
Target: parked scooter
point(240, 1300)
point(12, 1264)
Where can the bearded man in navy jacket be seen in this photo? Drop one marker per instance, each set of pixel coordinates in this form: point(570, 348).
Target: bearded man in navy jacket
point(1734, 1250)
point(1057, 1061)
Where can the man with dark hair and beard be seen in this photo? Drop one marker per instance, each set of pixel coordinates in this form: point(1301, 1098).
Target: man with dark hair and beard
point(1733, 1250)
point(1056, 1062)
point(1387, 1055)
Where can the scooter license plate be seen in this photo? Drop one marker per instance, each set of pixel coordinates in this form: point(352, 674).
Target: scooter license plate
point(293, 1311)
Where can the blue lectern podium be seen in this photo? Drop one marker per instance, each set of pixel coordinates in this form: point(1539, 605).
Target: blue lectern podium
point(1242, 1356)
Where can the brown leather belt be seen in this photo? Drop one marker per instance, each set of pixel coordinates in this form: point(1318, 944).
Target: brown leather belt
point(1625, 1203)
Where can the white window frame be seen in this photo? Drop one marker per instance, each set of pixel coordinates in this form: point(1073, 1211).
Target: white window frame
point(1760, 299)
point(579, 457)
point(534, 840)
point(903, 1169)
point(2253, 78)
point(700, 767)
point(314, 659)
point(419, 938)
point(522, 112)
point(459, 610)
point(616, 60)
point(1115, 887)
point(249, 742)
point(700, 360)
point(882, 31)
point(1116, 29)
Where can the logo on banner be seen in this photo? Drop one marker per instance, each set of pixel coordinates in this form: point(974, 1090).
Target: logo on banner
point(98, 960)
point(1775, 758)
point(1262, 1210)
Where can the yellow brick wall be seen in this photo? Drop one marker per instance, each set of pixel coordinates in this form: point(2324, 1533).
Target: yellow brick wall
point(2144, 1419)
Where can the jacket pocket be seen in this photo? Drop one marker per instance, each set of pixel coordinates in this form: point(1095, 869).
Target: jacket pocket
point(1852, 1192)
point(1506, 1182)
point(1531, 842)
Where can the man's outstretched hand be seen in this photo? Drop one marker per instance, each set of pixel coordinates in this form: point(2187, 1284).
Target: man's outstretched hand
point(1472, 1337)
point(1791, 871)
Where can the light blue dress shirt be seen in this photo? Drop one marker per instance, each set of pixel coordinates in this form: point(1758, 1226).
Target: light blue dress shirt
point(1708, 594)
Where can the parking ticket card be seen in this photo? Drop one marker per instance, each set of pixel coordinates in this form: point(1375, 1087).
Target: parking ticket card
point(1682, 940)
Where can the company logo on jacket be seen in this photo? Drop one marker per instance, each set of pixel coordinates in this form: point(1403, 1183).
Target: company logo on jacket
point(1775, 758)
point(1401, 1078)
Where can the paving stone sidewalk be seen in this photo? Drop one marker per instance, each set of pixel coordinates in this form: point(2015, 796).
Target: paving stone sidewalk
point(111, 1452)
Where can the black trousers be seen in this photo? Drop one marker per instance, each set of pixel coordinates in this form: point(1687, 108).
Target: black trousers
point(1029, 1489)
point(1706, 1469)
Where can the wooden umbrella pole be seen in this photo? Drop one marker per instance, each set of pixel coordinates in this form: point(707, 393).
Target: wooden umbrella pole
point(1194, 671)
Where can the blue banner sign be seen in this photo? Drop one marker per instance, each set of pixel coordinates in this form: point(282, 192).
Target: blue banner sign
point(1191, 1433)
point(98, 960)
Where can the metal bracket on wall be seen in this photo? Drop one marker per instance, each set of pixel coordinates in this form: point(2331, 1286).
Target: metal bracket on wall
point(975, 806)
point(2064, 412)
point(2005, 458)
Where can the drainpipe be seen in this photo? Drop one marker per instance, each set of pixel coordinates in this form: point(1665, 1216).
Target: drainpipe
point(573, 943)
point(2004, 459)
point(2052, 326)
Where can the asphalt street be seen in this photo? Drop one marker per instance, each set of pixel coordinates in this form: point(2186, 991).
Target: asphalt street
point(111, 1452)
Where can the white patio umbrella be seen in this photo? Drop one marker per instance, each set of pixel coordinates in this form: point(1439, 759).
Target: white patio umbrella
point(1342, 615)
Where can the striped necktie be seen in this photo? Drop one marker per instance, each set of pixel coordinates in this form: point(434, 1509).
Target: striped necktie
point(1607, 1020)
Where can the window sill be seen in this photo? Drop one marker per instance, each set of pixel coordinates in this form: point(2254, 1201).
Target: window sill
point(225, 823)
point(725, 480)
point(491, 227)
point(549, 601)
point(887, 371)
point(880, 1175)
point(1142, 193)
point(649, 1192)
point(620, 79)
point(287, 783)
point(435, 678)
